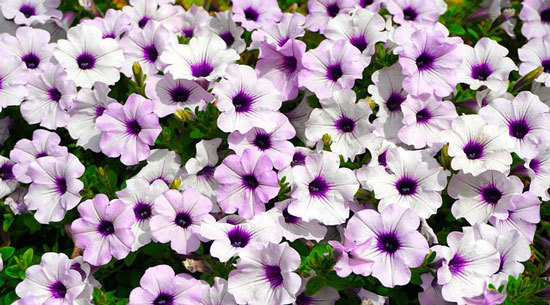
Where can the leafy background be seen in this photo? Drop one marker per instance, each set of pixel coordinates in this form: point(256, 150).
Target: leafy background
point(24, 240)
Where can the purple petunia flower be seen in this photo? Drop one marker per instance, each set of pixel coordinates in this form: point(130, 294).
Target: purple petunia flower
point(413, 11)
point(232, 235)
point(246, 101)
point(128, 130)
point(178, 219)
point(290, 27)
point(488, 297)
point(161, 286)
point(330, 67)
point(195, 22)
point(113, 25)
point(31, 46)
point(534, 54)
point(103, 230)
point(539, 172)
point(143, 11)
point(429, 62)
point(298, 118)
point(350, 258)
point(294, 227)
point(321, 11)
point(246, 183)
point(396, 244)
point(199, 171)
point(224, 26)
point(8, 183)
point(253, 14)
point(520, 213)
point(265, 275)
point(323, 190)
point(88, 57)
point(55, 187)
point(162, 164)
point(12, 81)
point(217, 294)
point(535, 15)
point(326, 296)
point(27, 12)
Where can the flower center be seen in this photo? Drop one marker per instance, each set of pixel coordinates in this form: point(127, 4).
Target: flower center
point(31, 61)
point(273, 275)
point(6, 172)
point(142, 211)
point(289, 64)
point(546, 65)
point(180, 94)
point(519, 129)
point(250, 181)
point(365, 3)
point(424, 61)
point(207, 172)
point(99, 109)
point(409, 14)
point(544, 15)
point(382, 158)
point(143, 21)
point(359, 42)
point(106, 228)
point(290, 218)
point(27, 10)
point(108, 35)
point(150, 53)
point(163, 299)
point(457, 264)
point(406, 186)
point(61, 185)
point(251, 14)
point(238, 237)
point(345, 124)
point(423, 116)
point(334, 72)
point(133, 128)
point(534, 164)
point(473, 150)
point(188, 32)
point(183, 220)
point(228, 38)
point(481, 71)
point(318, 187)
point(58, 290)
point(201, 69)
point(242, 102)
point(298, 159)
point(333, 10)
point(54, 94)
point(491, 194)
point(262, 141)
point(394, 101)
point(85, 61)
point(388, 242)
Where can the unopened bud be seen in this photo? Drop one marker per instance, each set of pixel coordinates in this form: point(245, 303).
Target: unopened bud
point(371, 102)
point(528, 78)
point(326, 139)
point(507, 13)
point(184, 115)
point(138, 73)
point(101, 171)
point(479, 15)
point(175, 184)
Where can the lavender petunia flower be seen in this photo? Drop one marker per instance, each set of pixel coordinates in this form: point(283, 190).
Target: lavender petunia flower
point(246, 101)
point(535, 15)
point(246, 183)
point(103, 230)
point(480, 196)
point(534, 54)
point(113, 25)
point(526, 118)
point(217, 294)
point(31, 46)
point(265, 275)
point(178, 219)
point(55, 187)
point(413, 11)
point(408, 179)
point(223, 25)
point(520, 213)
point(298, 118)
point(232, 235)
point(8, 183)
point(345, 121)
point(51, 96)
point(488, 297)
point(326, 296)
point(88, 57)
point(161, 286)
point(162, 164)
point(330, 67)
point(253, 14)
point(321, 11)
point(12, 81)
point(294, 227)
point(140, 196)
point(396, 244)
point(476, 146)
point(431, 291)
point(275, 144)
point(53, 282)
point(323, 189)
point(128, 130)
point(44, 143)
point(203, 58)
point(145, 46)
point(486, 64)
point(27, 12)
point(371, 5)
point(199, 171)
point(539, 172)
point(429, 62)
point(290, 27)
point(143, 11)
point(349, 256)
point(88, 105)
point(195, 22)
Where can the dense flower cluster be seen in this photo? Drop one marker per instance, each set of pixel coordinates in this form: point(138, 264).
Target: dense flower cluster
point(329, 152)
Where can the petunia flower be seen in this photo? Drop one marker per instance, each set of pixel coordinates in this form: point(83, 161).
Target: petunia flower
point(217, 294)
point(321, 11)
point(349, 256)
point(159, 285)
point(88, 57)
point(224, 26)
point(485, 64)
point(330, 67)
point(294, 227)
point(396, 244)
point(413, 11)
point(51, 97)
point(12, 81)
point(488, 297)
point(232, 235)
point(253, 14)
point(325, 296)
point(113, 25)
point(246, 101)
point(202, 58)
point(539, 172)
point(128, 130)
point(8, 183)
point(298, 118)
point(31, 46)
point(178, 219)
point(103, 230)
point(476, 146)
point(195, 22)
point(323, 189)
point(55, 187)
point(407, 179)
point(265, 274)
point(345, 121)
point(290, 27)
point(371, 5)
point(162, 164)
point(199, 171)
point(143, 11)
point(27, 12)
point(431, 291)
point(521, 212)
point(535, 15)
point(534, 54)
point(247, 183)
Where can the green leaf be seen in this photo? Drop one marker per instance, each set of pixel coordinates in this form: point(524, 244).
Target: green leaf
point(31, 223)
point(314, 285)
point(6, 252)
point(8, 220)
point(456, 29)
point(12, 271)
point(10, 298)
point(196, 134)
point(27, 257)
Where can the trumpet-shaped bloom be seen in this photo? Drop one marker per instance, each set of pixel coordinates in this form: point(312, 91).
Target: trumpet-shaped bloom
point(539, 172)
point(520, 213)
point(199, 171)
point(31, 46)
point(8, 183)
point(224, 26)
point(534, 54)
point(321, 11)
point(27, 12)
point(12, 81)
point(535, 15)
point(253, 14)
point(290, 27)
point(413, 11)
